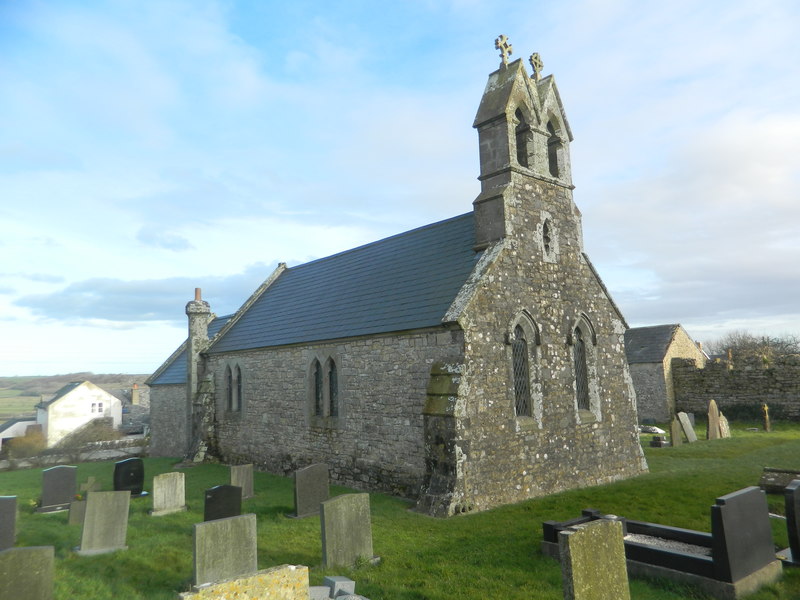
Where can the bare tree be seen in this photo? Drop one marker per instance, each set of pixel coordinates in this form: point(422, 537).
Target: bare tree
point(744, 345)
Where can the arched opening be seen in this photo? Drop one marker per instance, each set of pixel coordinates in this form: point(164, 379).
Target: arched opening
point(581, 370)
point(228, 388)
point(333, 388)
point(546, 237)
point(317, 370)
point(522, 390)
point(553, 150)
point(522, 136)
point(237, 402)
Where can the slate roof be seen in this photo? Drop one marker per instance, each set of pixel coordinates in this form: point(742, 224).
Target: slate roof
point(6, 425)
point(648, 344)
point(61, 393)
point(175, 371)
point(407, 281)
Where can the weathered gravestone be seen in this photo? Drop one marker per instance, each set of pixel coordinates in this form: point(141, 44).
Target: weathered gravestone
point(792, 502)
point(242, 476)
point(169, 494)
point(58, 488)
point(129, 476)
point(346, 530)
point(724, 426)
point(8, 521)
point(687, 427)
point(593, 561)
point(222, 501)
point(77, 512)
point(774, 481)
point(675, 432)
point(225, 549)
point(311, 488)
point(712, 426)
point(285, 582)
point(105, 525)
point(27, 573)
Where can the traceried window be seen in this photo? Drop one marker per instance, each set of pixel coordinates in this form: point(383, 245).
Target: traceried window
point(522, 390)
point(324, 397)
point(584, 356)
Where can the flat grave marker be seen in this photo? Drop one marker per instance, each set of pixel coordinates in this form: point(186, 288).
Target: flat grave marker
point(242, 476)
point(105, 525)
point(311, 488)
point(169, 493)
point(222, 502)
point(58, 488)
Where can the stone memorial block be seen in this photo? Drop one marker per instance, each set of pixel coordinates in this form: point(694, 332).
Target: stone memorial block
point(222, 501)
point(712, 426)
point(741, 533)
point(242, 476)
point(792, 503)
point(225, 549)
point(346, 530)
point(339, 585)
point(169, 493)
point(286, 582)
point(688, 429)
point(105, 525)
point(8, 521)
point(724, 426)
point(58, 488)
point(27, 573)
point(593, 561)
point(77, 512)
point(659, 441)
point(675, 432)
point(129, 476)
point(311, 488)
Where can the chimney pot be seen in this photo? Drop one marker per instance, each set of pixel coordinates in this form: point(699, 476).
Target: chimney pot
point(197, 295)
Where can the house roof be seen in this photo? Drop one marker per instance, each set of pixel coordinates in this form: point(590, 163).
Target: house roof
point(648, 344)
point(61, 393)
point(174, 370)
point(404, 282)
point(6, 425)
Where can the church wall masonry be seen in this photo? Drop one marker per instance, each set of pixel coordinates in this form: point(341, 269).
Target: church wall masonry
point(169, 413)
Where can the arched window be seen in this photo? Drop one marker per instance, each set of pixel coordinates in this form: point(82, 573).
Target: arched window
point(318, 391)
point(546, 239)
point(333, 389)
point(581, 370)
point(522, 390)
point(553, 148)
point(237, 403)
point(522, 135)
point(228, 388)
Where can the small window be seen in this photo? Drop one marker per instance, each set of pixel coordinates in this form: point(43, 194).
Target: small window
point(237, 402)
point(522, 389)
point(553, 148)
point(333, 389)
point(318, 391)
point(522, 138)
point(94, 407)
point(546, 239)
point(228, 388)
point(581, 370)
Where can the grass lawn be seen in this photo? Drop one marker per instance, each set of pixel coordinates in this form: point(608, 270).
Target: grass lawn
point(494, 554)
point(13, 404)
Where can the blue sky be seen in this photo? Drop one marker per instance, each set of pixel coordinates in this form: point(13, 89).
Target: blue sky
point(151, 147)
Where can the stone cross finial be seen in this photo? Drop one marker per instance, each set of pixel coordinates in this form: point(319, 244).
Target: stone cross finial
point(537, 64)
point(505, 48)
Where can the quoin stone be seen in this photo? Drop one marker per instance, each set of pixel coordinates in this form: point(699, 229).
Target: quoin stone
point(242, 476)
point(225, 549)
point(346, 530)
point(311, 488)
point(169, 493)
point(105, 525)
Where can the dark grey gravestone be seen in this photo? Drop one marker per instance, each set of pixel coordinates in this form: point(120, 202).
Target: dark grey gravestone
point(77, 512)
point(27, 573)
point(792, 499)
point(8, 521)
point(58, 488)
point(688, 428)
point(346, 530)
point(105, 526)
point(225, 549)
point(169, 493)
point(659, 441)
point(129, 476)
point(222, 502)
point(242, 476)
point(311, 488)
point(741, 533)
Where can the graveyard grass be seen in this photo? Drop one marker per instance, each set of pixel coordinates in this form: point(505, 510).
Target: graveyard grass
point(491, 554)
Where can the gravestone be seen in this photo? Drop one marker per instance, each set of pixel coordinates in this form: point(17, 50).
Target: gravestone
point(792, 502)
point(675, 432)
point(346, 530)
point(8, 521)
point(27, 573)
point(105, 525)
point(129, 476)
point(242, 476)
point(222, 502)
point(659, 441)
point(774, 481)
point(284, 582)
point(741, 533)
point(225, 549)
point(712, 427)
point(311, 488)
point(765, 413)
point(688, 429)
point(77, 512)
point(58, 488)
point(593, 561)
point(724, 426)
point(169, 494)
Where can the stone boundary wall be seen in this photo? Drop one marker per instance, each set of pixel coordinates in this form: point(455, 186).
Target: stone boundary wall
point(739, 389)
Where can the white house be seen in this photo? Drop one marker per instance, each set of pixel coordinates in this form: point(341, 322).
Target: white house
point(73, 406)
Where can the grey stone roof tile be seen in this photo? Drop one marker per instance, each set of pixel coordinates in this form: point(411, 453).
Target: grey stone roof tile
point(648, 344)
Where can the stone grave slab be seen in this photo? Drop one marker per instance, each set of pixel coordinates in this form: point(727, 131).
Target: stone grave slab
point(339, 585)
point(169, 493)
point(242, 476)
point(774, 481)
point(311, 488)
point(593, 561)
point(659, 441)
point(791, 497)
point(346, 530)
point(105, 525)
point(129, 476)
point(675, 432)
point(285, 582)
point(8, 521)
point(58, 488)
point(225, 549)
point(688, 429)
point(77, 512)
point(27, 573)
point(712, 426)
point(724, 426)
point(742, 536)
point(222, 502)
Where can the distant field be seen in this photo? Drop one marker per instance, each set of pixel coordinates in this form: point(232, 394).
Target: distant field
point(14, 404)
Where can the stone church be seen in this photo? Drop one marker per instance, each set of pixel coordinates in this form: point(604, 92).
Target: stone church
point(470, 363)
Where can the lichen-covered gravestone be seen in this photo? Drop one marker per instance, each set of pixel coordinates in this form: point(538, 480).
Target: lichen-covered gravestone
point(346, 530)
point(225, 549)
point(686, 425)
point(105, 525)
point(712, 428)
point(27, 573)
point(311, 488)
point(675, 433)
point(593, 561)
point(242, 476)
point(58, 488)
point(169, 493)
point(724, 426)
point(8, 521)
